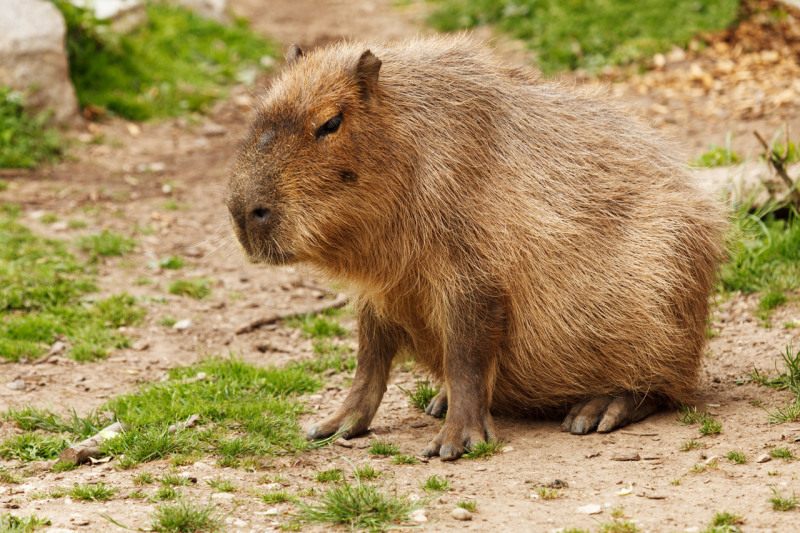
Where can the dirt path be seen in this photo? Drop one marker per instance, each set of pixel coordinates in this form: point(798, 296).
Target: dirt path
point(125, 183)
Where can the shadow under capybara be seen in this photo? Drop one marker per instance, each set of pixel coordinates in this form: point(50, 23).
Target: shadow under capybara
point(531, 246)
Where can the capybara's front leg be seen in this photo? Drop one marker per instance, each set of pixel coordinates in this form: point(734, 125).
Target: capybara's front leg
point(378, 342)
point(470, 368)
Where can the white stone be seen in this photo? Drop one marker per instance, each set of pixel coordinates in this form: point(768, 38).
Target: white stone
point(124, 15)
point(210, 9)
point(272, 486)
point(222, 496)
point(459, 513)
point(186, 323)
point(33, 56)
point(592, 508)
point(420, 515)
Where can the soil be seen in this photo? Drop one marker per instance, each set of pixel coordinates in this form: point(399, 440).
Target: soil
point(124, 183)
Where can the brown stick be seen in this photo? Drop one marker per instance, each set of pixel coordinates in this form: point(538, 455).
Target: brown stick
point(90, 448)
point(779, 164)
point(336, 303)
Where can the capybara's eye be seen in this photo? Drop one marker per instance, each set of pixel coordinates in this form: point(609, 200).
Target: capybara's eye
point(330, 127)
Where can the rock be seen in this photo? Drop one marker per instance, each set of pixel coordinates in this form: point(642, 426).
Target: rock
point(239, 523)
point(141, 345)
point(33, 56)
point(186, 323)
point(272, 486)
point(222, 496)
point(343, 443)
point(210, 9)
point(558, 484)
point(17, 384)
point(420, 515)
point(460, 513)
point(626, 457)
point(123, 15)
point(212, 129)
point(592, 508)
point(763, 458)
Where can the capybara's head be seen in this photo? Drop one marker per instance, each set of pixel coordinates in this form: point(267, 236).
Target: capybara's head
point(304, 185)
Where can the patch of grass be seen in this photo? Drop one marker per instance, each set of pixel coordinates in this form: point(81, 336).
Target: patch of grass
point(164, 494)
point(469, 505)
point(167, 321)
point(48, 218)
point(782, 503)
point(106, 244)
point(404, 459)
point(484, 449)
point(221, 485)
point(424, 392)
point(9, 477)
point(788, 380)
point(42, 298)
point(10, 523)
point(64, 466)
point(275, 496)
point(382, 447)
point(3, 184)
point(31, 446)
point(359, 507)
point(546, 493)
point(97, 492)
point(185, 516)
point(137, 494)
point(692, 444)
point(436, 484)
point(781, 453)
point(710, 426)
point(724, 522)
point(737, 457)
point(619, 526)
point(691, 415)
point(589, 34)
point(25, 138)
point(197, 288)
point(332, 475)
point(174, 480)
point(143, 478)
point(173, 262)
point(717, 156)
point(76, 223)
point(321, 326)
point(171, 205)
point(699, 469)
point(176, 63)
point(366, 472)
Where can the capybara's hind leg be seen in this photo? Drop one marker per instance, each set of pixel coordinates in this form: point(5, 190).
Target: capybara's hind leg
point(605, 413)
point(438, 406)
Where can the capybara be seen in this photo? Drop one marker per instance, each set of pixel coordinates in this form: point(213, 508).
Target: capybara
point(531, 246)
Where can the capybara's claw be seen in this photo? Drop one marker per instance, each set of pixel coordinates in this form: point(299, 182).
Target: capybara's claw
point(455, 439)
point(605, 413)
point(438, 405)
point(347, 425)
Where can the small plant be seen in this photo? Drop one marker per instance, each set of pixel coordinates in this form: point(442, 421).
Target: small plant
point(782, 453)
point(64, 466)
point(382, 447)
point(469, 505)
point(9, 477)
point(717, 156)
point(275, 496)
point(137, 494)
point(359, 507)
point(165, 493)
point(184, 516)
point(221, 485)
point(197, 288)
point(676, 481)
point(31, 446)
point(404, 459)
point(424, 392)
point(91, 492)
point(691, 415)
point(724, 522)
point(546, 493)
point(692, 444)
point(322, 326)
point(484, 449)
point(174, 480)
point(699, 469)
point(782, 503)
point(333, 475)
point(168, 321)
point(76, 223)
point(172, 262)
point(106, 244)
point(710, 426)
point(619, 526)
point(436, 484)
point(737, 457)
point(366, 472)
point(27, 141)
point(10, 523)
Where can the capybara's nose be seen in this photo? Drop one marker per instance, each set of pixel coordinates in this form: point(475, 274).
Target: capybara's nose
point(260, 215)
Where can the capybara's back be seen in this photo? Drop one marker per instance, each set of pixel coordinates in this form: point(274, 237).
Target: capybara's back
point(527, 242)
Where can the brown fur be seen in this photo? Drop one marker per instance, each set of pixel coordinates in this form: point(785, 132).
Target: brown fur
point(529, 244)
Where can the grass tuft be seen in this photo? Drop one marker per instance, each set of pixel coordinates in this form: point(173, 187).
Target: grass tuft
point(366, 472)
point(788, 380)
point(197, 288)
point(782, 453)
point(10, 523)
point(737, 457)
point(333, 475)
point(724, 522)
point(382, 447)
point(619, 526)
point(91, 492)
point(782, 503)
point(185, 516)
point(404, 459)
point(26, 140)
point(31, 446)
point(469, 505)
point(484, 449)
point(221, 485)
point(436, 484)
point(692, 444)
point(424, 392)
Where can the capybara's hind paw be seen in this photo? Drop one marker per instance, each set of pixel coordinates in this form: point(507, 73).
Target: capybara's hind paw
point(438, 406)
point(454, 439)
point(605, 413)
point(349, 425)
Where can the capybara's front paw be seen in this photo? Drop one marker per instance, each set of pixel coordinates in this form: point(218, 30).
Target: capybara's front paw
point(438, 406)
point(455, 438)
point(350, 424)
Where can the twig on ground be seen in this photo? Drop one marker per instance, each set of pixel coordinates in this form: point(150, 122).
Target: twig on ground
point(779, 164)
point(90, 448)
point(190, 422)
point(336, 303)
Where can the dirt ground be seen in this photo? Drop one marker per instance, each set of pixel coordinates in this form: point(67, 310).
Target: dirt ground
point(124, 183)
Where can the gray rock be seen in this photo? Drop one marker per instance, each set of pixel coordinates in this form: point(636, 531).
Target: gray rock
point(17, 384)
point(459, 513)
point(33, 56)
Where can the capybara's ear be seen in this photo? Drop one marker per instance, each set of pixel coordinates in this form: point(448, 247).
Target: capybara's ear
point(367, 69)
point(293, 54)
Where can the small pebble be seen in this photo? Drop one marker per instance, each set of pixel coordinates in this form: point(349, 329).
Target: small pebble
point(222, 496)
point(141, 345)
point(460, 513)
point(763, 458)
point(272, 486)
point(420, 515)
point(343, 443)
point(186, 323)
point(626, 457)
